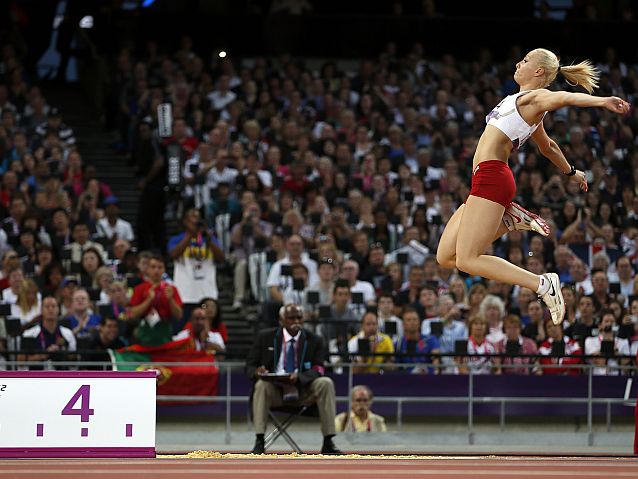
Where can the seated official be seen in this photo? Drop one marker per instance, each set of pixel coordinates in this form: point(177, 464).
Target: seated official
point(361, 418)
point(297, 355)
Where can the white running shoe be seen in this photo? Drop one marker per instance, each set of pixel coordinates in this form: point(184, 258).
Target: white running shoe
point(518, 218)
point(553, 299)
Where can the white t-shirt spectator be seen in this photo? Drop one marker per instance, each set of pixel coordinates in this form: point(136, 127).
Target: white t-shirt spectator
point(621, 347)
point(275, 278)
point(212, 338)
point(9, 296)
point(66, 333)
point(122, 229)
point(367, 289)
point(195, 272)
point(219, 100)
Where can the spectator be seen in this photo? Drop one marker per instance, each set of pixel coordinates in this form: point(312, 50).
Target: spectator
point(195, 253)
point(214, 319)
point(479, 348)
point(247, 236)
point(427, 304)
point(360, 418)
point(10, 261)
point(156, 305)
point(81, 318)
point(625, 276)
point(90, 262)
point(302, 364)
point(600, 294)
point(416, 256)
point(378, 343)
point(107, 337)
point(203, 339)
point(325, 285)
point(49, 337)
point(385, 313)
point(579, 273)
point(585, 322)
point(278, 281)
point(572, 352)
point(475, 297)
point(28, 305)
point(61, 235)
point(453, 328)
point(607, 364)
point(416, 347)
point(535, 329)
point(10, 294)
point(518, 345)
point(82, 242)
point(112, 227)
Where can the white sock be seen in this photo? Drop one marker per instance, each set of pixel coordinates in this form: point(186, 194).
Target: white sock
point(543, 285)
point(508, 221)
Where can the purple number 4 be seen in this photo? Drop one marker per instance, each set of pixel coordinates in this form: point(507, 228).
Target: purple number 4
point(83, 394)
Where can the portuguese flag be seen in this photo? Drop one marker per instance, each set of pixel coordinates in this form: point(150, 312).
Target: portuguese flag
point(183, 380)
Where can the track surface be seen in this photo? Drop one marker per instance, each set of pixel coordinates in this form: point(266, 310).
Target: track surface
point(307, 467)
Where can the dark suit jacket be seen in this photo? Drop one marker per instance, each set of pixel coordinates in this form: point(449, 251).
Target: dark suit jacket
point(267, 348)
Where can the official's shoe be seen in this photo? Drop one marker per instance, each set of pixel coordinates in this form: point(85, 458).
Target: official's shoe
point(330, 448)
point(518, 218)
point(258, 448)
point(553, 299)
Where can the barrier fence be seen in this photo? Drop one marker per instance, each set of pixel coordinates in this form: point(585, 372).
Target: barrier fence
point(238, 395)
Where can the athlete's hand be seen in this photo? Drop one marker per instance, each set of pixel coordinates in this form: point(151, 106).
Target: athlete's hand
point(617, 105)
point(580, 178)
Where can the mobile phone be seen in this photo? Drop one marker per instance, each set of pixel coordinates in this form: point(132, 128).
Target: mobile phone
point(390, 328)
point(436, 328)
point(312, 297)
point(460, 346)
point(558, 348)
point(363, 346)
point(512, 348)
point(614, 288)
point(357, 298)
point(286, 270)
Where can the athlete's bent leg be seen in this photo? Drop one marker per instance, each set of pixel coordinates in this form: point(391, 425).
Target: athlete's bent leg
point(481, 220)
point(446, 250)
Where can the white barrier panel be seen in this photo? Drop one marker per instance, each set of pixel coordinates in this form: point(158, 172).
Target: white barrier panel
point(77, 413)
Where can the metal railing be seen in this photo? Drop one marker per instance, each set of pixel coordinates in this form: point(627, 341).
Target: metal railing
point(227, 367)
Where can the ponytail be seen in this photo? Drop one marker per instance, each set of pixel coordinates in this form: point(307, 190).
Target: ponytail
point(583, 74)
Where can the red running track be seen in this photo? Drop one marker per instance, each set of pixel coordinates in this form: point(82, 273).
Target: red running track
point(492, 467)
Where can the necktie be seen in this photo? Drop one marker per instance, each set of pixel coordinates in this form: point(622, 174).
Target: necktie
point(290, 357)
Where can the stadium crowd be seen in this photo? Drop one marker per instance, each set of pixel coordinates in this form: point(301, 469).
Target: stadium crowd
point(328, 189)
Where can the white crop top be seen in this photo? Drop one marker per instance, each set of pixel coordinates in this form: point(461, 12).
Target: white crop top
point(506, 117)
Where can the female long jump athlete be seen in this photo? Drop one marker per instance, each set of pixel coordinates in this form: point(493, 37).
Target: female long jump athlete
point(481, 220)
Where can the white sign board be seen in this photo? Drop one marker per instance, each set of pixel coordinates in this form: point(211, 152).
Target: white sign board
point(77, 413)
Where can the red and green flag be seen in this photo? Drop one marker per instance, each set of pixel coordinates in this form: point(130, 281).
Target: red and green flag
point(183, 380)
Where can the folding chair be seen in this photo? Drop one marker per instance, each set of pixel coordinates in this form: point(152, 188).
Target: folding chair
point(293, 413)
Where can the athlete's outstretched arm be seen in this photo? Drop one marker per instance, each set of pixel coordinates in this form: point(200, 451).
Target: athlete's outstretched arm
point(546, 100)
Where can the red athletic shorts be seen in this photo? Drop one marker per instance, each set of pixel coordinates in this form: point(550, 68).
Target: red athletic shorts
point(494, 180)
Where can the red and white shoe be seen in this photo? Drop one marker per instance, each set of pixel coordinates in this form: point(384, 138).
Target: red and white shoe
point(518, 218)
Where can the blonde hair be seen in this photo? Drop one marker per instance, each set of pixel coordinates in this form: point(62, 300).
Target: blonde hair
point(23, 302)
point(582, 74)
